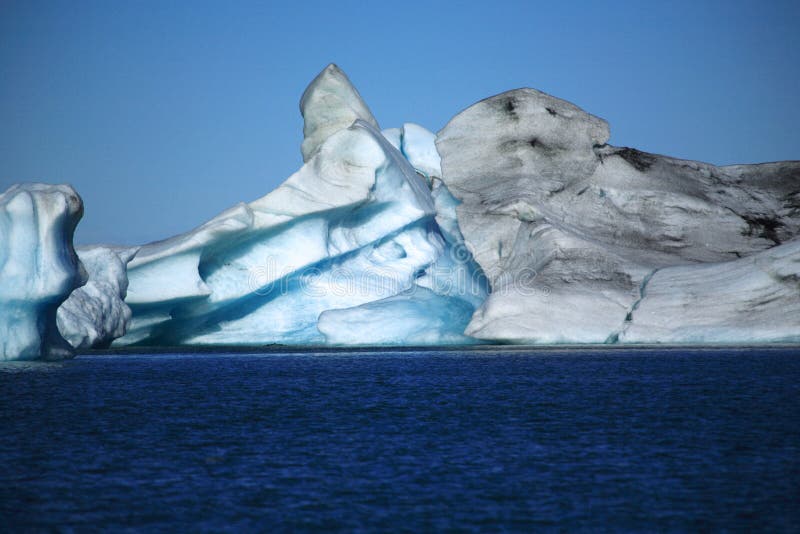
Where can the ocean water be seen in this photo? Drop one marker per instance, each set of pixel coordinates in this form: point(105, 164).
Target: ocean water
point(480, 440)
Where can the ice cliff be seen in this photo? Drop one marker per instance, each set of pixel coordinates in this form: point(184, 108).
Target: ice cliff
point(516, 223)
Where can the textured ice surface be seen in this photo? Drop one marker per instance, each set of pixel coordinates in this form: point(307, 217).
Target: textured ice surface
point(38, 268)
point(750, 300)
point(570, 230)
point(96, 314)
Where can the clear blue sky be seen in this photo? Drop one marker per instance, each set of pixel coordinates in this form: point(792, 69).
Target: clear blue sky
point(164, 113)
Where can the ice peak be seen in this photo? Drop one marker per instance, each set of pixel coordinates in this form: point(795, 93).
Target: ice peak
point(330, 103)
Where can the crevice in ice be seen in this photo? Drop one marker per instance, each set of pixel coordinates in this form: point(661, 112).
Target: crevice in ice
point(614, 337)
point(402, 143)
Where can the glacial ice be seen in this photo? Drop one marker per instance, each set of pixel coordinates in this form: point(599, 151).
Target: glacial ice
point(38, 268)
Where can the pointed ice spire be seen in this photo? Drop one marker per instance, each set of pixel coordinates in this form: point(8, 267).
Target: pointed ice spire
point(330, 103)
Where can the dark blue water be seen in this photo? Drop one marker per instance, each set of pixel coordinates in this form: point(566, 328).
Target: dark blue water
point(514, 441)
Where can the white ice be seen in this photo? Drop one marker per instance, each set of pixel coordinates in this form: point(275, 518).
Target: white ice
point(38, 268)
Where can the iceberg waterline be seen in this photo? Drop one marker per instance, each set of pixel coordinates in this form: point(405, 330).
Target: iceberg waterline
point(517, 223)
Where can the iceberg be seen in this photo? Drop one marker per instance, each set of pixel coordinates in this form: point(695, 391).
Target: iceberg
point(352, 234)
point(38, 268)
point(517, 223)
point(584, 242)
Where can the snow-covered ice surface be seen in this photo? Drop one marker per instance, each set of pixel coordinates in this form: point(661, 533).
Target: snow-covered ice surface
point(584, 242)
point(96, 314)
point(38, 268)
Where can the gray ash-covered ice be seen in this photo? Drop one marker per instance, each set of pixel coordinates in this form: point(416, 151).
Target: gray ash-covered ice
point(570, 229)
point(38, 268)
point(96, 314)
point(750, 300)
